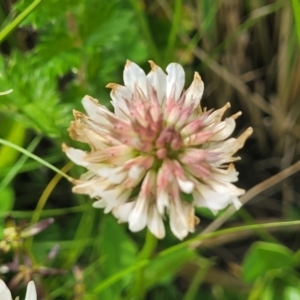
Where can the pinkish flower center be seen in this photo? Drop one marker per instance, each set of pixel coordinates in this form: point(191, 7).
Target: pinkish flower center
point(169, 140)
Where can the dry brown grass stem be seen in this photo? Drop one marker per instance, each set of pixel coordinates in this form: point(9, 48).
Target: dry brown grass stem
point(256, 190)
point(230, 78)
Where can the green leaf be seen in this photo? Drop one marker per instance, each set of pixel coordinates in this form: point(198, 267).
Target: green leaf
point(14, 23)
point(34, 101)
point(291, 293)
point(15, 133)
point(118, 252)
point(53, 9)
point(263, 257)
point(297, 258)
point(162, 268)
point(262, 291)
point(7, 198)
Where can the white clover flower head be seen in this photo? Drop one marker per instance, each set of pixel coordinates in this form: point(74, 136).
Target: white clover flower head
point(158, 154)
point(6, 295)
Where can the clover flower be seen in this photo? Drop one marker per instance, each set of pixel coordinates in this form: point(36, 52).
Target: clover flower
point(6, 295)
point(14, 235)
point(158, 154)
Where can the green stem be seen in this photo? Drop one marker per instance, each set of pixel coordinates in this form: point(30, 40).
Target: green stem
point(203, 267)
point(138, 7)
point(117, 276)
point(205, 236)
point(169, 54)
point(138, 291)
point(144, 263)
point(296, 11)
point(11, 26)
point(17, 166)
point(17, 214)
point(38, 159)
point(149, 246)
point(6, 92)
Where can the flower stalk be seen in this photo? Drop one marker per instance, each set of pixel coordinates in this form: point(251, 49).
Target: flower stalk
point(139, 288)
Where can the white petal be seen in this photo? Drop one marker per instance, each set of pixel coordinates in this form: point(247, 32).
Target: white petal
point(173, 116)
point(178, 222)
point(229, 175)
point(99, 203)
point(198, 199)
point(31, 292)
point(98, 113)
point(115, 197)
point(189, 211)
point(4, 291)
point(236, 203)
point(217, 115)
point(114, 175)
point(76, 155)
point(230, 146)
point(157, 78)
point(195, 91)
point(90, 106)
point(211, 199)
point(136, 142)
point(155, 223)
point(185, 186)
point(175, 80)
point(139, 215)
point(162, 201)
point(134, 77)
point(224, 187)
point(82, 132)
point(122, 212)
point(4, 270)
point(116, 155)
point(87, 175)
point(225, 132)
point(118, 95)
point(94, 188)
point(136, 172)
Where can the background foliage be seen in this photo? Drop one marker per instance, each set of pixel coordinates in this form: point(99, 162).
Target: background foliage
point(54, 52)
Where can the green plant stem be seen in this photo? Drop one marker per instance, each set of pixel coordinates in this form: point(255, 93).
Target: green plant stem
point(117, 276)
point(296, 11)
point(138, 291)
point(262, 233)
point(202, 237)
point(17, 214)
point(143, 263)
point(137, 5)
point(203, 267)
point(35, 157)
point(6, 92)
point(169, 54)
point(149, 246)
point(17, 166)
point(46, 193)
point(11, 26)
